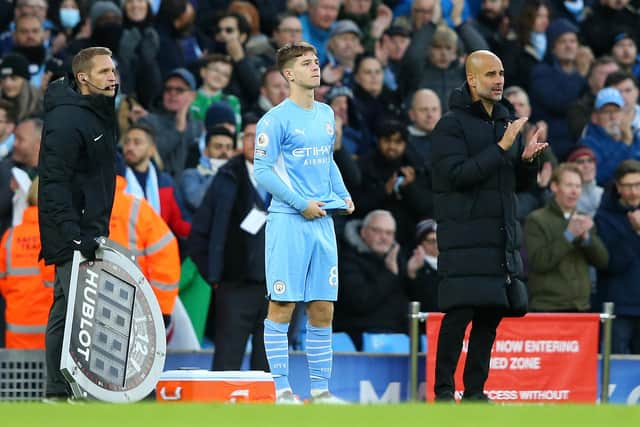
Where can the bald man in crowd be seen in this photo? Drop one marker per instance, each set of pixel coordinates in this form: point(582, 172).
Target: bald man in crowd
point(479, 162)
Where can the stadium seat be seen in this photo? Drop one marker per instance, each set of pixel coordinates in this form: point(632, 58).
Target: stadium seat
point(385, 343)
point(342, 343)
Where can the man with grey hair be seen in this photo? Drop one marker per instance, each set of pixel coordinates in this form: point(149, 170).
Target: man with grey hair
point(373, 297)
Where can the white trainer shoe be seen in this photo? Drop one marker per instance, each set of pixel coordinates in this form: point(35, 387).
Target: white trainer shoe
point(288, 398)
point(326, 398)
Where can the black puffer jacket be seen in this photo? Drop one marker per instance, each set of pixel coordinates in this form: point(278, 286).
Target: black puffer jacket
point(77, 169)
point(474, 186)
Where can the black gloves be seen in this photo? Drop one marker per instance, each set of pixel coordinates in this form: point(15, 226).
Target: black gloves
point(87, 247)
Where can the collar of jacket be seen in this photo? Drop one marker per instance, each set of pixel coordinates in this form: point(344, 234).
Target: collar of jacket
point(554, 207)
point(460, 98)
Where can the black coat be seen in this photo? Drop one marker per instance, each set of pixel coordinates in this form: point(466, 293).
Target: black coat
point(370, 297)
point(77, 169)
point(221, 250)
point(474, 185)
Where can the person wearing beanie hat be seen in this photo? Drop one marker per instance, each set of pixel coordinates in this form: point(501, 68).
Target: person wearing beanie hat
point(585, 159)
point(16, 88)
point(343, 47)
point(422, 267)
point(103, 8)
point(557, 84)
point(624, 50)
point(609, 136)
point(220, 146)
point(220, 113)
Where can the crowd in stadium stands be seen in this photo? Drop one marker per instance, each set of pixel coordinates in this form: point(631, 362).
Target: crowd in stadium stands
point(196, 75)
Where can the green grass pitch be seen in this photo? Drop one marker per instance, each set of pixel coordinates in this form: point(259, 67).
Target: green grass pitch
point(402, 415)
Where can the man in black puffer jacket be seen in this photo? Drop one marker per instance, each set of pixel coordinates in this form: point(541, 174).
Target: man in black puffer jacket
point(479, 162)
point(77, 182)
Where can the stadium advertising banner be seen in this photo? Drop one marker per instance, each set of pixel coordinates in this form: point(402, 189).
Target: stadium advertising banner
point(533, 358)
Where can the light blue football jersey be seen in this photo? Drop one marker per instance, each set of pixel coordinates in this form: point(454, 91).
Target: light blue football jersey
point(294, 156)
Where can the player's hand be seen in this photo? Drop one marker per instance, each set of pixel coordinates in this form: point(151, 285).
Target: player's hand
point(314, 210)
point(350, 206)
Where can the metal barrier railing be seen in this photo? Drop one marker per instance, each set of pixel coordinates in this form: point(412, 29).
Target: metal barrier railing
point(416, 316)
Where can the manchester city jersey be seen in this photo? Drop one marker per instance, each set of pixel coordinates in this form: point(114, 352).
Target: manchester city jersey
point(294, 156)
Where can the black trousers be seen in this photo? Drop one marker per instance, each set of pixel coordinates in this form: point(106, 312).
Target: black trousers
point(476, 369)
point(56, 384)
point(240, 310)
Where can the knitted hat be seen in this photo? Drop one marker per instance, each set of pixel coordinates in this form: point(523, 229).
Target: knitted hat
point(581, 152)
point(559, 27)
point(14, 64)
point(425, 227)
point(219, 113)
point(100, 8)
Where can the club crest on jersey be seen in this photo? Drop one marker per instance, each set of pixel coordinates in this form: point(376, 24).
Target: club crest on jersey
point(263, 140)
point(279, 287)
point(329, 128)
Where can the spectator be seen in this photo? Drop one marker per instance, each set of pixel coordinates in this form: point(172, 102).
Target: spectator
point(178, 46)
point(424, 114)
point(442, 71)
point(232, 34)
point(146, 181)
point(373, 100)
point(231, 258)
point(561, 244)
point(625, 50)
point(37, 8)
point(317, 24)
point(288, 30)
point(557, 84)
point(628, 87)
point(25, 283)
point(176, 131)
point(607, 17)
point(605, 135)
point(422, 267)
point(273, 91)
point(138, 227)
point(372, 17)
point(390, 50)
point(618, 222)
point(532, 39)
point(496, 26)
point(343, 46)
point(15, 86)
point(215, 71)
point(256, 40)
point(355, 137)
point(7, 125)
point(580, 111)
point(585, 160)
point(393, 179)
point(373, 297)
point(195, 181)
point(29, 41)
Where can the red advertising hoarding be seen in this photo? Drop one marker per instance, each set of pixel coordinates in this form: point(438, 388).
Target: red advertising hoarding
point(537, 358)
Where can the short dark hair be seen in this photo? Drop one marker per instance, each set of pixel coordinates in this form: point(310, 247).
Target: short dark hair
point(9, 110)
point(602, 60)
point(390, 127)
point(249, 118)
point(563, 168)
point(144, 128)
point(292, 51)
point(243, 24)
point(360, 58)
point(83, 61)
point(618, 77)
point(626, 167)
point(220, 130)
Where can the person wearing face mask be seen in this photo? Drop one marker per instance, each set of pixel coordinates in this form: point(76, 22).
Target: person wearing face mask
point(195, 181)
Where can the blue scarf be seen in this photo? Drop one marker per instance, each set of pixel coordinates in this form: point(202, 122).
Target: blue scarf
point(151, 190)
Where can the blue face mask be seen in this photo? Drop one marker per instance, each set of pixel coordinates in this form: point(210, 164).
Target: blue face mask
point(539, 42)
point(575, 7)
point(69, 17)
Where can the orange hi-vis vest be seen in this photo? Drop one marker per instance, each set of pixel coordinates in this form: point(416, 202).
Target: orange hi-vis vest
point(136, 226)
point(26, 284)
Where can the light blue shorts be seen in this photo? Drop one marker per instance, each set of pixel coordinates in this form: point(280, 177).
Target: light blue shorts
point(301, 258)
